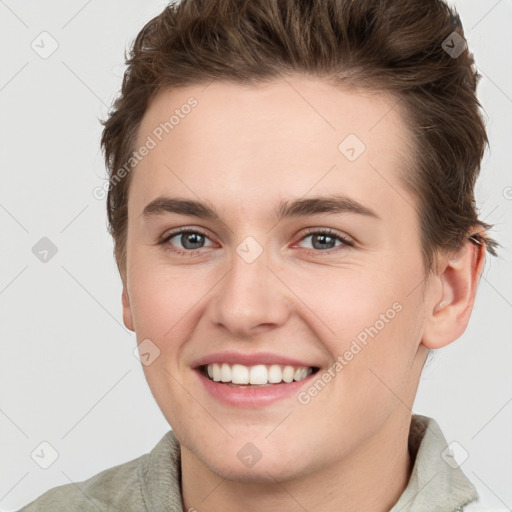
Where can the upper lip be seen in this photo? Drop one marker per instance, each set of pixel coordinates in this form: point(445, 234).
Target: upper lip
point(250, 359)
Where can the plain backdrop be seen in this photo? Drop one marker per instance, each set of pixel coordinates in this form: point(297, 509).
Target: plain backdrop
point(68, 374)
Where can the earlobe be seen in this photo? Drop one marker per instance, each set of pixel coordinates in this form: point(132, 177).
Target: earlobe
point(449, 316)
point(127, 310)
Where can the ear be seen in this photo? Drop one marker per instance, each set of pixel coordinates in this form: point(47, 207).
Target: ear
point(449, 315)
point(127, 310)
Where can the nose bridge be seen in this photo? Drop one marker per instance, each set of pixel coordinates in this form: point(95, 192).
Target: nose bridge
point(250, 295)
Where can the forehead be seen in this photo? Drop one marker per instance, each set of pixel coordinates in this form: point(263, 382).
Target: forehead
point(283, 137)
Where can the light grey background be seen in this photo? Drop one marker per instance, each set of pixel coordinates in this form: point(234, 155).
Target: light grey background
point(68, 373)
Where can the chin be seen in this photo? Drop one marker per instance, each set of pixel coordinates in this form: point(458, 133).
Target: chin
point(245, 463)
point(260, 473)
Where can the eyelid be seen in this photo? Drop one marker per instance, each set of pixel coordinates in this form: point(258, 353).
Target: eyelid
point(329, 231)
point(179, 231)
point(346, 242)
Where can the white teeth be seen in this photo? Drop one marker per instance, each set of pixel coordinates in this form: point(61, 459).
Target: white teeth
point(275, 374)
point(298, 374)
point(216, 372)
point(259, 374)
point(225, 372)
point(239, 374)
point(288, 373)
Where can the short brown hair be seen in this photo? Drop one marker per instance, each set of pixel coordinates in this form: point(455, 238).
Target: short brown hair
point(397, 47)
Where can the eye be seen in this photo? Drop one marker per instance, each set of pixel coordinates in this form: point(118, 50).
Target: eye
point(192, 239)
point(189, 238)
point(322, 240)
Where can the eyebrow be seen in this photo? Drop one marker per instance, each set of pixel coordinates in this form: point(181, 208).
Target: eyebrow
point(295, 208)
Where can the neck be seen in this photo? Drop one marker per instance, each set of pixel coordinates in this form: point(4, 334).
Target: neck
point(371, 479)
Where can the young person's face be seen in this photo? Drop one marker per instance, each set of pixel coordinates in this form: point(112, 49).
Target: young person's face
point(256, 284)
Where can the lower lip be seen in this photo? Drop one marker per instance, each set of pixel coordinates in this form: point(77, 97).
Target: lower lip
point(250, 397)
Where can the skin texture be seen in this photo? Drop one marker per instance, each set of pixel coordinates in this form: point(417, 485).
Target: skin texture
point(243, 149)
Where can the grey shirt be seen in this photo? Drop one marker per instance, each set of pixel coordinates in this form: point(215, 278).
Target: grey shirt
point(151, 482)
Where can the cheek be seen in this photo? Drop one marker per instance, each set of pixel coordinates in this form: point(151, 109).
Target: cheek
point(159, 297)
point(159, 312)
point(349, 301)
point(371, 320)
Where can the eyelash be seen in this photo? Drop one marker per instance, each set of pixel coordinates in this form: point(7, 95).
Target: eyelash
point(314, 231)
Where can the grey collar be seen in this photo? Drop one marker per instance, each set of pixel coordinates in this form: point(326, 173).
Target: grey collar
point(436, 482)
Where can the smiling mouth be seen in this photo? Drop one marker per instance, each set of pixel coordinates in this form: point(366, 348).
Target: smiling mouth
point(260, 375)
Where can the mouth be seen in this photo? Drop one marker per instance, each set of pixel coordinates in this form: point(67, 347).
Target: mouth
point(256, 376)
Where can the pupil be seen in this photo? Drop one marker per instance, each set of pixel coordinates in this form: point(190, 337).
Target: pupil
point(322, 236)
point(189, 237)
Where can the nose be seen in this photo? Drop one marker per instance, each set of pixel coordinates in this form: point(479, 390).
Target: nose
point(251, 298)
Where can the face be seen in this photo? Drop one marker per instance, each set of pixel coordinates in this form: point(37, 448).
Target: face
point(263, 279)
